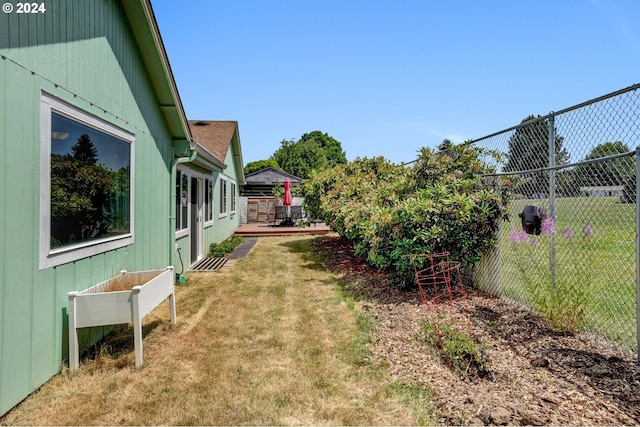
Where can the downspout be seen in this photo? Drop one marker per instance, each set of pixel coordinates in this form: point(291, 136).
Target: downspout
point(172, 205)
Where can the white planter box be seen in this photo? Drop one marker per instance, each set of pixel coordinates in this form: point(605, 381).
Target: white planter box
point(92, 307)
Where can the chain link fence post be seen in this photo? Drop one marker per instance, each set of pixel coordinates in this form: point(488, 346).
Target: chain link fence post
point(552, 197)
point(638, 251)
point(577, 167)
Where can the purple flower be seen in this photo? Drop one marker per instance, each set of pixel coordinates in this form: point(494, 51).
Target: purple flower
point(548, 226)
point(587, 230)
point(518, 236)
point(567, 234)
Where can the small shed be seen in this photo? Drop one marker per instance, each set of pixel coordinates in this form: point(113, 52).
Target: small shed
point(603, 191)
point(258, 200)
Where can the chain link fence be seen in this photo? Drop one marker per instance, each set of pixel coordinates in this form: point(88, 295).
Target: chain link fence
point(569, 249)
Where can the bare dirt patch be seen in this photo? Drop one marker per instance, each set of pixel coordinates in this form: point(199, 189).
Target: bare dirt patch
point(536, 376)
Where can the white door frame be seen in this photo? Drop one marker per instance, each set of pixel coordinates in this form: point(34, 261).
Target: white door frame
point(196, 216)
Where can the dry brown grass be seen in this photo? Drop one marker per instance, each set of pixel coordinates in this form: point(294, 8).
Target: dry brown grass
point(125, 281)
point(272, 342)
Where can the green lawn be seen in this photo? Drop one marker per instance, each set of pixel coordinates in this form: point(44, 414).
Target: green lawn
point(601, 265)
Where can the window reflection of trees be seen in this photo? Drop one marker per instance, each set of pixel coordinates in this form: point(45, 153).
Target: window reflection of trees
point(185, 200)
point(88, 200)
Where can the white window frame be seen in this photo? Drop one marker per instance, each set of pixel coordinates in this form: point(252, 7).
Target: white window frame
point(234, 197)
point(209, 204)
point(223, 197)
point(183, 231)
point(49, 257)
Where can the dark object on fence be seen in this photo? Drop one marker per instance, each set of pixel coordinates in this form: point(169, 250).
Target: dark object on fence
point(532, 217)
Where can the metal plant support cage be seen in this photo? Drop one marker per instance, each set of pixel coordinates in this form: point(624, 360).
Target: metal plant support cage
point(438, 278)
point(446, 316)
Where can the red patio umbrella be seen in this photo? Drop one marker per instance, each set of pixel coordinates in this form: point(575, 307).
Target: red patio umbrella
point(288, 200)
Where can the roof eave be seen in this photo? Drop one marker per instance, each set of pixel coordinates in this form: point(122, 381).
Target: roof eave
point(158, 67)
point(237, 156)
point(203, 153)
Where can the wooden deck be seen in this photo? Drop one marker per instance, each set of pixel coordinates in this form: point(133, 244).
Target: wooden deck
point(264, 229)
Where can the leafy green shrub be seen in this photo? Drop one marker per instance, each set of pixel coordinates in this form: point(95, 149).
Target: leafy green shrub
point(457, 349)
point(390, 212)
point(562, 305)
point(561, 295)
point(223, 249)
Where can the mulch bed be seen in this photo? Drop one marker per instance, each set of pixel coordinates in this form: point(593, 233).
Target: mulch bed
point(535, 376)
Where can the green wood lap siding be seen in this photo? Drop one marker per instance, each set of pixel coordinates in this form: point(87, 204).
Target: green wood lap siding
point(4, 152)
point(225, 226)
point(84, 53)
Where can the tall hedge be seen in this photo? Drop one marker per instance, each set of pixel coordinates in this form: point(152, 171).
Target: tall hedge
point(390, 212)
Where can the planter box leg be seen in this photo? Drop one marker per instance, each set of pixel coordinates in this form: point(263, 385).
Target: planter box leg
point(74, 356)
point(172, 307)
point(137, 325)
point(172, 297)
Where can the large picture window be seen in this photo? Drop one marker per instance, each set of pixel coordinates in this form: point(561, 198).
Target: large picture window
point(86, 193)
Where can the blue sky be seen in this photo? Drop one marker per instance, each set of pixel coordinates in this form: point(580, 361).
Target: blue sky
point(386, 77)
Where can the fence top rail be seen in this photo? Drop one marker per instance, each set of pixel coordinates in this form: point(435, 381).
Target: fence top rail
point(566, 110)
point(568, 165)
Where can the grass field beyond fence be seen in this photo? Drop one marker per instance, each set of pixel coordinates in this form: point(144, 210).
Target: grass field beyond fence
point(595, 259)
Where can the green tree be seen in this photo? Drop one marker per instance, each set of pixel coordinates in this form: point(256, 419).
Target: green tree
point(84, 151)
point(331, 147)
point(529, 149)
point(119, 202)
point(259, 165)
point(606, 173)
point(81, 193)
point(616, 172)
point(313, 151)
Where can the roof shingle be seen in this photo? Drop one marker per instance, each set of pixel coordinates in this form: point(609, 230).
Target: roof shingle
point(214, 135)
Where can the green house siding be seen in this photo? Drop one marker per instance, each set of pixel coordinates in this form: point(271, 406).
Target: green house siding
point(223, 226)
point(226, 224)
point(229, 223)
point(83, 53)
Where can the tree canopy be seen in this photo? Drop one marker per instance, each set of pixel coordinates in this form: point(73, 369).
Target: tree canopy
point(313, 151)
point(80, 194)
point(529, 149)
point(260, 164)
point(84, 151)
point(615, 172)
point(607, 173)
point(332, 148)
